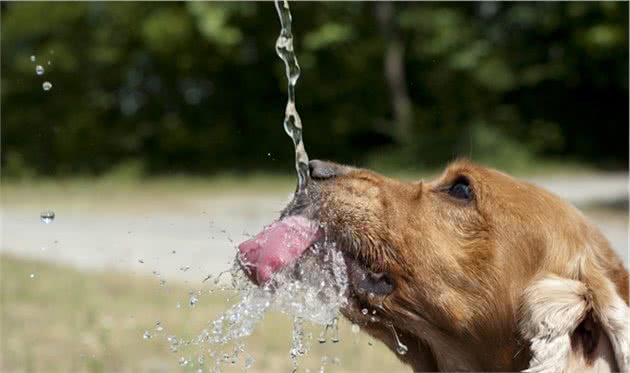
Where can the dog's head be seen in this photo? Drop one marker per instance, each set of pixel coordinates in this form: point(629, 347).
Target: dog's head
point(446, 263)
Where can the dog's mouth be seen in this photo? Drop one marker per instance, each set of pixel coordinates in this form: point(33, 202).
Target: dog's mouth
point(279, 245)
point(286, 241)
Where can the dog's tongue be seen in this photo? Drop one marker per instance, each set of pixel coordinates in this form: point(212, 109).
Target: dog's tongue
point(276, 246)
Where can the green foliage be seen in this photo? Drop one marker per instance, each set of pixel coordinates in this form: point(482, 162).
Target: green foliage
point(197, 87)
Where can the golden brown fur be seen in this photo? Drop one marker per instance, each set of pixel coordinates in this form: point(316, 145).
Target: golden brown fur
point(476, 283)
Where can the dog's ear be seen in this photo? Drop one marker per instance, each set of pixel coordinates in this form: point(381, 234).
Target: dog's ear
point(570, 328)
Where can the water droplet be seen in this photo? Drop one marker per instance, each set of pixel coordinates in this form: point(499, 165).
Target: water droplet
point(268, 154)
point(364, 311)
point(184, 268)
point(249, 361)
point(183, 362)
point(140, 261)
point(173, 252)
point(178, 305)
point(39, 70)
point(47, 86)
point(47, 217)
point(193, 301)
point(32, 275)
point(33, 59)
point(355, 328)
point(48, 63)
point(335, 328)
point(162, 282)
point(146, 335)
point(401, 348)
point(322, 336)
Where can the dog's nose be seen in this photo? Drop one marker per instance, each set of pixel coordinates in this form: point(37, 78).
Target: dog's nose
point(321, 170)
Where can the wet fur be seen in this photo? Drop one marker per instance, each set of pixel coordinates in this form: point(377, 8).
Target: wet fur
point(515, 279)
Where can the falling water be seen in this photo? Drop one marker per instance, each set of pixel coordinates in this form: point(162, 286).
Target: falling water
point(292, 122)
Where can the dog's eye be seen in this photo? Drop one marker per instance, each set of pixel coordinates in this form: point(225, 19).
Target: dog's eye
point(460, 189)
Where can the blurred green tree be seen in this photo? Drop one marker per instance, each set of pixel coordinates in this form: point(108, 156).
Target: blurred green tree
point(197, 87)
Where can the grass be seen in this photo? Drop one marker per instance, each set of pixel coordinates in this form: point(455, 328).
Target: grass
point(66, 320)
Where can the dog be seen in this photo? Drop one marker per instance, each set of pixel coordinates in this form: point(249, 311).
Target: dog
point(473, 271)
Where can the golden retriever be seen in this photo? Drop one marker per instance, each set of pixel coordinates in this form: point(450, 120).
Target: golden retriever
point(475, 271)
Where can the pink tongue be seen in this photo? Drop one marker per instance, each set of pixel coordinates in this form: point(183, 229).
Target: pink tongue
point(276, 247)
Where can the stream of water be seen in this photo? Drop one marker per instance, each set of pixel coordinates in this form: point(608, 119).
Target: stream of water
point(292, 121)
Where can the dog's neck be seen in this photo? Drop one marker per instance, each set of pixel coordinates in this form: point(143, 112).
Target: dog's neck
point(435, 351)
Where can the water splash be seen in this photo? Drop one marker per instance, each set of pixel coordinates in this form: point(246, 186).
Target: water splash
point(292, 121)
point(47, 86)
point(312, 291)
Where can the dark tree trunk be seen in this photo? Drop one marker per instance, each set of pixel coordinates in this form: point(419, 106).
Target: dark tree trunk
point(394, 69)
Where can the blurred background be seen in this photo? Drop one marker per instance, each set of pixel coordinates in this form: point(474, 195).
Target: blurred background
point(159, 146)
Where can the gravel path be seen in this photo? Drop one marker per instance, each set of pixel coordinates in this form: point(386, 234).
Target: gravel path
point(189, 243)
